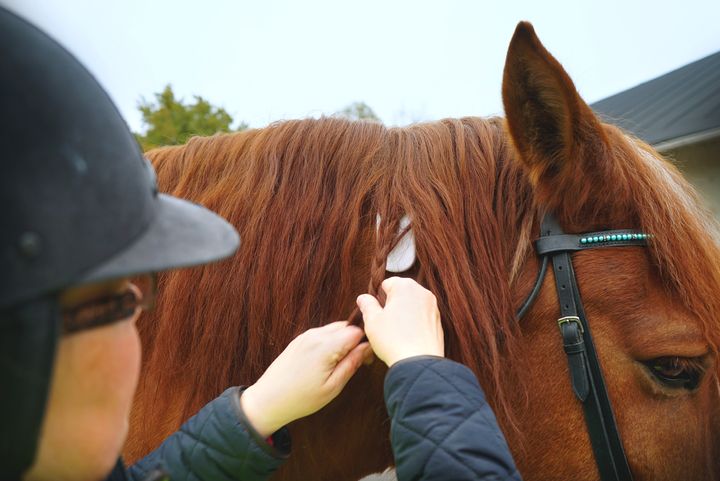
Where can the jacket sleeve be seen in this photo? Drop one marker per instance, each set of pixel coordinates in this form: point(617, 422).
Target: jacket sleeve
point(217, 444)
point(441, 426)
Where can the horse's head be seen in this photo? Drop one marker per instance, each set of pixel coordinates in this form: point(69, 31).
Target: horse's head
point(306, 195)
point(654, 311)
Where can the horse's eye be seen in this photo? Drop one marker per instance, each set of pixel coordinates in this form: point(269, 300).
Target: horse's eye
point(677, 372)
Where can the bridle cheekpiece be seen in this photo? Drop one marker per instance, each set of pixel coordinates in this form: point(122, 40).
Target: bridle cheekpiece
point(585, 373)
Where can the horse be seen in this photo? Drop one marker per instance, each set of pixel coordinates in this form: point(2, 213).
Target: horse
point(319, 205)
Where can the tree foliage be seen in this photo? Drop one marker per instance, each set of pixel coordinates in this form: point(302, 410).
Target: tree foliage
point(171, 121)
point(358, 111)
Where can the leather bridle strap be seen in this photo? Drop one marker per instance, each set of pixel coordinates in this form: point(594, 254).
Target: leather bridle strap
point(548, 244)
point(585, 372)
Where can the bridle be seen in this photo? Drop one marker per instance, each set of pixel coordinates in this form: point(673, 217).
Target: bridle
point(585, 373)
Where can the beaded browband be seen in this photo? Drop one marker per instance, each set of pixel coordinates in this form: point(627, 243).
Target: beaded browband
point(614, 237)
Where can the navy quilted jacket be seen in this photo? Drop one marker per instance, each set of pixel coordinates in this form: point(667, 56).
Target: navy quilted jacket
point(441, 426)
point(216, 444)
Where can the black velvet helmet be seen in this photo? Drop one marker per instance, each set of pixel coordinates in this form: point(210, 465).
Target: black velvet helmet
point(78, 204)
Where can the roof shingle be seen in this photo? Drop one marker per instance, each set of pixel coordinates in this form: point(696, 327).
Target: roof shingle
point(683, 102)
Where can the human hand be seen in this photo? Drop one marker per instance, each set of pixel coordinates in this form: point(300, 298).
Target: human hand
point(409, 324)
point(307, 375)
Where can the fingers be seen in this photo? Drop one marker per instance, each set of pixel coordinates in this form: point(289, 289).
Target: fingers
point(333, 326)
point(389, 284)
point(398, 286)
point(403, 288)
point(349, 365)
point(369, 306)
point(331, 341)
point(395, 282)
point(342, 341)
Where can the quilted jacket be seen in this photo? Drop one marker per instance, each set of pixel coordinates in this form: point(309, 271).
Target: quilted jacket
point(441, 426)
point(216, 444)
point(441, 429)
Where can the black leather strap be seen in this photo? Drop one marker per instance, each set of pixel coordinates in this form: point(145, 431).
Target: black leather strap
point(574, 346)
point(585, 372)
point(530, 300)
point(572, 242)
point(549, 244)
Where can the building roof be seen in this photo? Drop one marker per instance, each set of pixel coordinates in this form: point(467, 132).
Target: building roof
point(682, 104)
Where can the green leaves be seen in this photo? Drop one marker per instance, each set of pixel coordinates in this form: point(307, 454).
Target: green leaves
point(358, 111)
point(171, 121)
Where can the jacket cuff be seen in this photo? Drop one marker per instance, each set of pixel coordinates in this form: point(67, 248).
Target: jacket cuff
point(421, 358)
point(281, 442)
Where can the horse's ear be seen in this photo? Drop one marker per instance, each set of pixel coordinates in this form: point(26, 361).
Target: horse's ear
point(557, 135)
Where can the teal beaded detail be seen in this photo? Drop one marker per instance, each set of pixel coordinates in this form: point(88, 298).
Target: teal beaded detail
point(609, 238)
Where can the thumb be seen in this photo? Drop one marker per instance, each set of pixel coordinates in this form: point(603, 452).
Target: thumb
point(369, 306)
point(346, 368)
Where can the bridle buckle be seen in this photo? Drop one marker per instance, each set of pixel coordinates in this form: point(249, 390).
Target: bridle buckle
point(566, 319)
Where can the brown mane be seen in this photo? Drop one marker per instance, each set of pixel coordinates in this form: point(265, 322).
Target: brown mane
point(304, 196)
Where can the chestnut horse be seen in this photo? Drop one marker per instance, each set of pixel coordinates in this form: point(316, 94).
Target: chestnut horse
point(305, 196)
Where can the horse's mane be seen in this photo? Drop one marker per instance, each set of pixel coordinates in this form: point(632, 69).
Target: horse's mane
point(685, 249)
point(304, 196)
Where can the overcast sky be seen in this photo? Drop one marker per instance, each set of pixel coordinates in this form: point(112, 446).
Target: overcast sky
point(408, 60)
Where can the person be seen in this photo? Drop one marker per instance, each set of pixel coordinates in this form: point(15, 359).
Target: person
point(84, 228)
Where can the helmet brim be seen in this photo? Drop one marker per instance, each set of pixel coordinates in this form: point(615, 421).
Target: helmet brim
point(182, 234)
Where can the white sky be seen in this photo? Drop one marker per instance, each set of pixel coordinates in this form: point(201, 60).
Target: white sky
point(408, 60)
